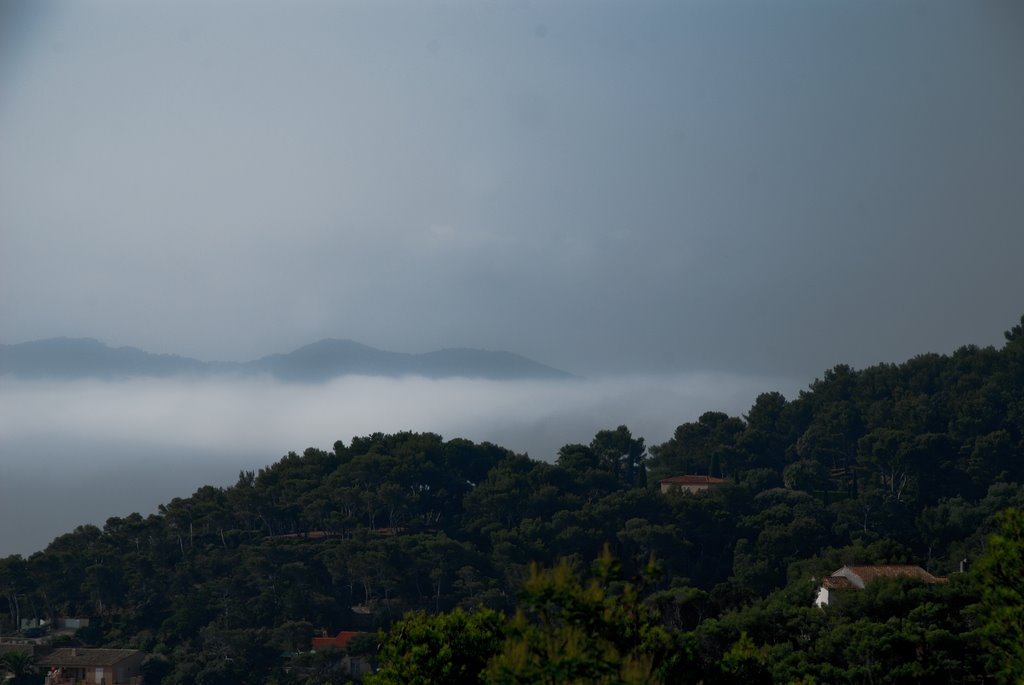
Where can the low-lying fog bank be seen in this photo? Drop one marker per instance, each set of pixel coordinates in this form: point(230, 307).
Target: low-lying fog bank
point(80, 452)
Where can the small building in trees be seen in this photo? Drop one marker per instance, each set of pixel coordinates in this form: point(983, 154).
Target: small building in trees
point(352, 664)
point(690, 483)
point(859, 577)
point(340, 640)
point(78, 664)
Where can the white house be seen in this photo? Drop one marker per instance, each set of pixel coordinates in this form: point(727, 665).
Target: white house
point(690, 483)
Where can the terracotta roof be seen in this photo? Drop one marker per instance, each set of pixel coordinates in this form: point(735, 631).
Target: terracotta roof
point(80, 657)
point(869, 573)
point(340, 640)
point(835, 583)
point(693, 480)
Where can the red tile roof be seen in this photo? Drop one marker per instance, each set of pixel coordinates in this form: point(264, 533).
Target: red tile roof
point(339, 640)
point(693, 480)
point(82, 657)
point(869, 573)
point(860, 576)
point(837, 583)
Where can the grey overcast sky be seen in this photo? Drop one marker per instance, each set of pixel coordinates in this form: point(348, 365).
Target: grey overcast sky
point(770, 187)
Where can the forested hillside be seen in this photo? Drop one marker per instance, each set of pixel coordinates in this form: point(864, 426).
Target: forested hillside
point(904, 463)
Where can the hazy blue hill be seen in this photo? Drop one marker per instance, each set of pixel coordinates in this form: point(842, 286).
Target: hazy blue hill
point(484, 363)
point(329, 358)
point(71, 358)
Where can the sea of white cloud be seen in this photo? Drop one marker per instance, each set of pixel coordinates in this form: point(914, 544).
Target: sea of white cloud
point(79, 452)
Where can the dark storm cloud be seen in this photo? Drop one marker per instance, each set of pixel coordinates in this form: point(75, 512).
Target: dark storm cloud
point(601, 186)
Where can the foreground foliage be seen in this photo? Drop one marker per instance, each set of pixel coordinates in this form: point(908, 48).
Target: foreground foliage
point(568, 631)
point(440, 648)
point(1000, 575)
point(565, 631)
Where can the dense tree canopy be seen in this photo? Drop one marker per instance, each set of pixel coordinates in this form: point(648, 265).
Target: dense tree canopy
point(1001, 610)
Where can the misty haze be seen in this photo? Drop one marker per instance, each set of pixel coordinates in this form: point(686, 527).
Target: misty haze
point(112, 447)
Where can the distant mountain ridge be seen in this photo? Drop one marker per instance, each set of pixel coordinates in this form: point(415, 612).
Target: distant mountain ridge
point(73, 358)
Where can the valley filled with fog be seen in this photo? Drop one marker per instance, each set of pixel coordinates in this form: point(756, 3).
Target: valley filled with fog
point(82, 451)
